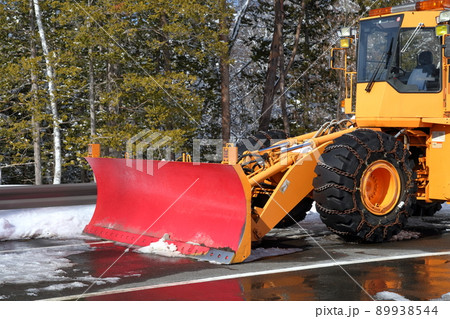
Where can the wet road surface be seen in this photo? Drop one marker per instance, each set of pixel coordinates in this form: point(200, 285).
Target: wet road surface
point(314, 266)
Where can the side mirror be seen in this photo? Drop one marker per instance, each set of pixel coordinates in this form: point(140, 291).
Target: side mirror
point(447, 46)
point(338, 63)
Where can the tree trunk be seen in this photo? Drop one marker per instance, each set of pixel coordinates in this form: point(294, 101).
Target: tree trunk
point(35, 123)
point(296, 39)
point(295, 46)
point(269, 86)
point(225, 100)
point(52, 97)
point(92, 114)
point(93, 119)
point(225, 77)
point(165, 65)
point(113, 72)
point(284, 113)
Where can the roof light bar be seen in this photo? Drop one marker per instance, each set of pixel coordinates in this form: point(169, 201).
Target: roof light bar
point(379, 12)
point(404, 7)
point(432, 4)
point(418, 6)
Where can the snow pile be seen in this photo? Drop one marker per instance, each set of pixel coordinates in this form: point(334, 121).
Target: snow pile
point(161, 247)
point(34, 266)
point(388, 295)
point(46, 222)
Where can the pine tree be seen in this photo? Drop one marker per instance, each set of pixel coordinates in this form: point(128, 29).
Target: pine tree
point(20, 99)
point(121, 67)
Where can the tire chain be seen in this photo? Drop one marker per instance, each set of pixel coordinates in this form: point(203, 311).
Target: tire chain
point(401, 161)
point(337, 212)
point(332, 185)
point(342, 233)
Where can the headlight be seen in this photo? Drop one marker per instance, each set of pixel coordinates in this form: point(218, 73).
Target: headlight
point(347, 32)
point(444, 16)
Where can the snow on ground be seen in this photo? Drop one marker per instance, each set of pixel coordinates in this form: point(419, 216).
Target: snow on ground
point(45, 222)
point(33, 266)
point(50, 265)
point(388, 295)
point(37, 266)
point(392, 296)
point(46, 269)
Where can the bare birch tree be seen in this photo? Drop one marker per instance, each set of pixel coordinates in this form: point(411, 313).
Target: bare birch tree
point(52, 96)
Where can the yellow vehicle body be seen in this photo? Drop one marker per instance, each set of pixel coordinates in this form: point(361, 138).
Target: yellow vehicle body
point(366, 173)
point(384, 107)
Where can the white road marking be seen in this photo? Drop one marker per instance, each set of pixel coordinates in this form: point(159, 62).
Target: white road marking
point(255, 273)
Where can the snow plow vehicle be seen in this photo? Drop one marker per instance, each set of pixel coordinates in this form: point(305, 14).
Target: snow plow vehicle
point(366, 174)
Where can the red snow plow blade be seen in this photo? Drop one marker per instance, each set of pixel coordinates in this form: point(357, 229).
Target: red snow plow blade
point(203, 209)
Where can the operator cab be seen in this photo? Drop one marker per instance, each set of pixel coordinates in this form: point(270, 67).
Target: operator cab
point(406, 58)
point(401, 72)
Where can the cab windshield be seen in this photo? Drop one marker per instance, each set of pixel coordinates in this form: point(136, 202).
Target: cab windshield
point(377, 42)
point(407, 58)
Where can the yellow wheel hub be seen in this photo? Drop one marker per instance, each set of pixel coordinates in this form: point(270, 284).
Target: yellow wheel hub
point(380, 187)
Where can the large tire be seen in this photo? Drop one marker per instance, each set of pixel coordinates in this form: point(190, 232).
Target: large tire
point(364, 189)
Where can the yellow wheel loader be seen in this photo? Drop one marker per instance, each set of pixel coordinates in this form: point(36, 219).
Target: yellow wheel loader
point(366, 174)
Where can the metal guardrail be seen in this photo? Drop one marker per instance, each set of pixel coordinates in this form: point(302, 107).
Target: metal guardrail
point(30, 196)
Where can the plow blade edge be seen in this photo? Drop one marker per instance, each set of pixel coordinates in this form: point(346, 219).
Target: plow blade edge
point(203, 209)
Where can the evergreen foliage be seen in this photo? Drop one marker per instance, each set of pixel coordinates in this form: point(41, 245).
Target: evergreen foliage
point(124, 66)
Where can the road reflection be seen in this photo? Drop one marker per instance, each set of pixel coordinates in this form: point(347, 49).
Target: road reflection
point(418, 279)
point(415, 279)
